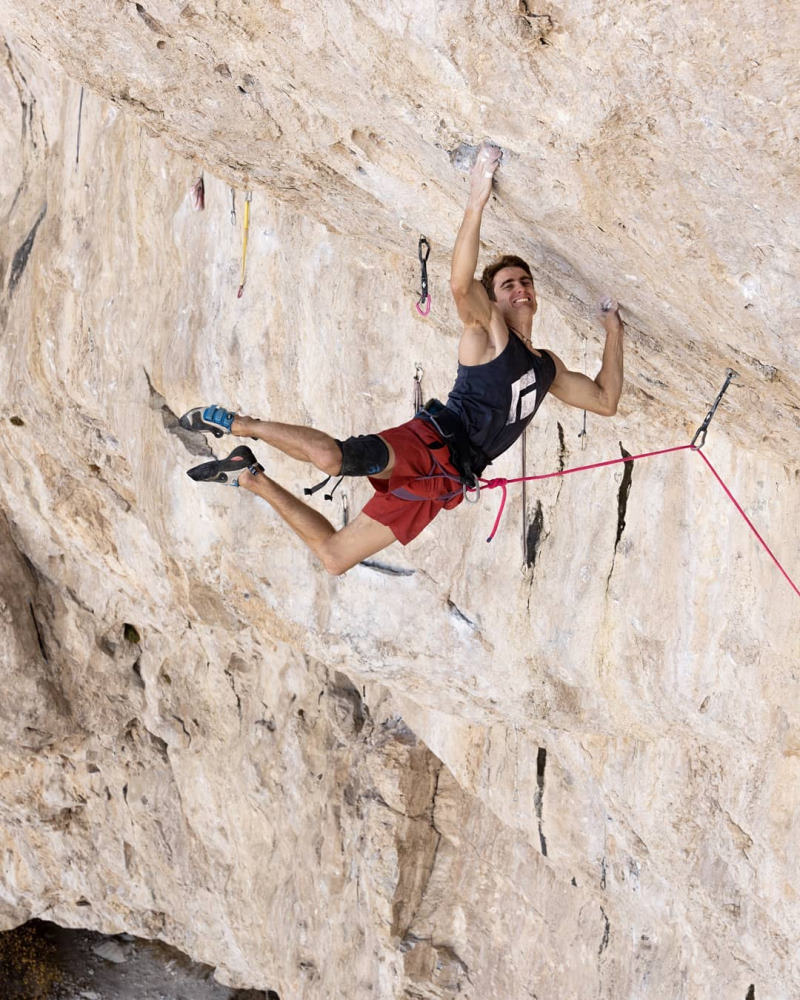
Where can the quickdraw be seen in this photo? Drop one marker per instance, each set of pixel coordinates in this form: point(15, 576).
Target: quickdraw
point(246, 228)
point(423, 251)
point(730, 375)
point(419, 371)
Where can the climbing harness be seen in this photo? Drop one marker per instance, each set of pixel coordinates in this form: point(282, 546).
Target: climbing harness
point(419, 371)
point(246, 228)
point(468, 460)
point(423, 251)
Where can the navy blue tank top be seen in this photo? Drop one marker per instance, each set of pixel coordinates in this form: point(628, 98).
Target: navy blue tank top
point(497, 400)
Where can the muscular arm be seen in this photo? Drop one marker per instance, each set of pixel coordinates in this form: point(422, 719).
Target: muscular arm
point(472, 302)
point(600, 395)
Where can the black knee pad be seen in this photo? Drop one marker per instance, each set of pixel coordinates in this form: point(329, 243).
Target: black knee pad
point(365, 455)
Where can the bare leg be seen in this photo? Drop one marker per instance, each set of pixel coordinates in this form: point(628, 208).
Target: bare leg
point(303, 443)
point(337, 550)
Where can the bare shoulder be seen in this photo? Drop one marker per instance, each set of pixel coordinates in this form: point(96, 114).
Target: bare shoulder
point(482, 342)
point(560, 366)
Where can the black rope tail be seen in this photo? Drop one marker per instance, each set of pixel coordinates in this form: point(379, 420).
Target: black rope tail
point(701, 431)
point(311, 490)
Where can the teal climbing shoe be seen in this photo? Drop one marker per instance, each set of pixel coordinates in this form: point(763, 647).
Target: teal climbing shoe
point(212, 419)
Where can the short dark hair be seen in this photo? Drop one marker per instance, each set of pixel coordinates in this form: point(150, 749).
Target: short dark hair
point(507, 260)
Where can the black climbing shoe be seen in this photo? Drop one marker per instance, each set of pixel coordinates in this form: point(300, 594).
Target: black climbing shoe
point(227, 470)
point(211, 419)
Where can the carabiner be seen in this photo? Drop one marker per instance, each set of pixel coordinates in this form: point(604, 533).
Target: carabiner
point(474, 487)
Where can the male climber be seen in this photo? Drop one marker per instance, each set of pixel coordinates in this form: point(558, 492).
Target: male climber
point(422, 466)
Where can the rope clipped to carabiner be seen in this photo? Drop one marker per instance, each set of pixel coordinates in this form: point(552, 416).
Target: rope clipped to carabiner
point(247, 199)
point(701, 431)
point(423, 251)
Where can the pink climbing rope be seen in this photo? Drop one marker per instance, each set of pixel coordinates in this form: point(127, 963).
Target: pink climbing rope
point(491, 484)
point(736, 504)
point(502, 484)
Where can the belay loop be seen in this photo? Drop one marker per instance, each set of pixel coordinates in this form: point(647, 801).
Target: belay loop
point(423, 251)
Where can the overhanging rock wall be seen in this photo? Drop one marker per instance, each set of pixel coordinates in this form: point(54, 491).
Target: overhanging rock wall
point(455, 772)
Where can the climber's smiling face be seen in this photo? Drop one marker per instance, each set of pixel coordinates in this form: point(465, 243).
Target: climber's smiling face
point(514, 292)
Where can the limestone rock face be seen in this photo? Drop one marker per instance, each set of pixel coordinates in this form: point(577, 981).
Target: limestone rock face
point(562, 764)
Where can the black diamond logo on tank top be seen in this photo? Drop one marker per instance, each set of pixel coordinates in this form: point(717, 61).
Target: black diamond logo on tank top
point(523, 397)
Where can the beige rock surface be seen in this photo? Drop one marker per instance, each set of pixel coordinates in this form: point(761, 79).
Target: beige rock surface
point(477, 778)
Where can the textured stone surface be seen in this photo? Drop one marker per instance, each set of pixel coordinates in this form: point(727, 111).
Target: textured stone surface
point(478, 778)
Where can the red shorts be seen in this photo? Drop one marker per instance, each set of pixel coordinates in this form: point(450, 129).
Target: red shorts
point(416, 471)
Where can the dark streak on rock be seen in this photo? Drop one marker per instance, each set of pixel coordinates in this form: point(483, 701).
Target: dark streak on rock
point(38, 631)
point(622, 505)
point(232, 683)
point(380, 567)
point(458, 613)
point(562, 449)
point(152, 23)
point(23, 253)
point(533, 535)
point(538, 798)
point(624, 491)
point(606, 932)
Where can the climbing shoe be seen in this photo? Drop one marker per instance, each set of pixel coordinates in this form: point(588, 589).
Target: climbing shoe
point(211, 419)
point(227, 470)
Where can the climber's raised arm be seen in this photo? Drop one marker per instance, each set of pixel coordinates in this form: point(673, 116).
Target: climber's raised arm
point(472, 302)
point(601, 394)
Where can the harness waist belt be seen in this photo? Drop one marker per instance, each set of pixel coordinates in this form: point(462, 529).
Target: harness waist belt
point(469, 460)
